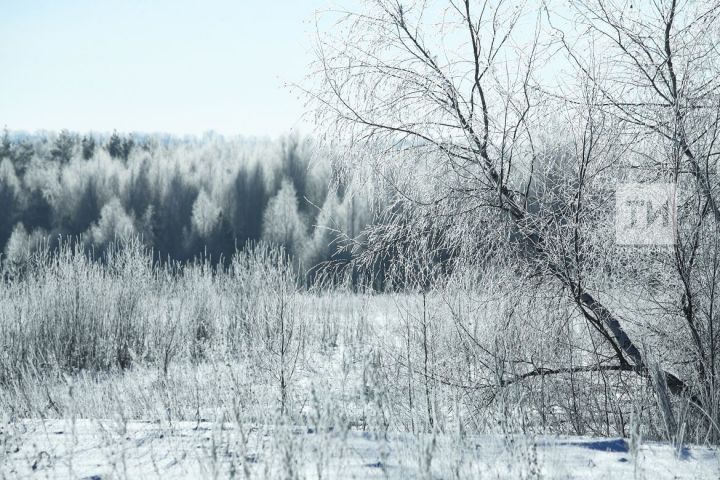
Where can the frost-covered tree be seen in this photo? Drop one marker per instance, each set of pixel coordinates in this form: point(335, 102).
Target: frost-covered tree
point(205, 215)
point(114, 225)
point(119, 146)
point(5, 144)
point(88, 147)
point(331, 223)
point(64, 147)
point(282, 224)
point(21, 245)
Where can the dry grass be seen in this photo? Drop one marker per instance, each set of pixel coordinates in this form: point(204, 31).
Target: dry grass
point(130, 343)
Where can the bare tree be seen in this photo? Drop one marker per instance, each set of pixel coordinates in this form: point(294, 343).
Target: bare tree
point(664, 88)
point(457, 107)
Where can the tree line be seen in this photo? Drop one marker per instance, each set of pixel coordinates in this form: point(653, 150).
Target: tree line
point(184, 197)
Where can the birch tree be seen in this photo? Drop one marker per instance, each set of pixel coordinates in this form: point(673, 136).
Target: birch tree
point(461, 107)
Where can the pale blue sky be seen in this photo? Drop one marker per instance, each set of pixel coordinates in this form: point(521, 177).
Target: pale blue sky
point(173, 66)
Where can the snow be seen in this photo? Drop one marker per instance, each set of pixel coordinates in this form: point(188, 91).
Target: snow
point(93, 449)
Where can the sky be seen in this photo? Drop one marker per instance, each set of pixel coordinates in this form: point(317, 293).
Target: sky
point(172, 66)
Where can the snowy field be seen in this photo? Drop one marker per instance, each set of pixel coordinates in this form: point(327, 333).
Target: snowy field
point(241, 375)
point(113, 449)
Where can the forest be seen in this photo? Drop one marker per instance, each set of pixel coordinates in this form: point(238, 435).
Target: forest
point(185, 198)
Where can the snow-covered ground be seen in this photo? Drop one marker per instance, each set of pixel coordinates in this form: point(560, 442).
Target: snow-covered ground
point(116, 449)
